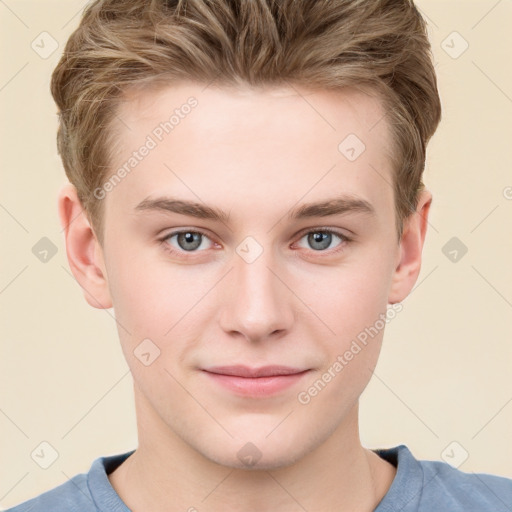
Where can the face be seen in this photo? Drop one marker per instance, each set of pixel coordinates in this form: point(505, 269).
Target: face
point(260, 283)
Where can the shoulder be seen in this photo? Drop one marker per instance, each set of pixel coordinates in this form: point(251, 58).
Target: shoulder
point(448, 486)
point(71, 496)
point(426, 485)
point(85, 492)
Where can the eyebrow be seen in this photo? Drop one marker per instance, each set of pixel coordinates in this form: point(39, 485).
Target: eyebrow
point(334, 206)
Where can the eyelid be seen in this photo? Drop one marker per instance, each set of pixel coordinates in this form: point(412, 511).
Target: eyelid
point(324, 229)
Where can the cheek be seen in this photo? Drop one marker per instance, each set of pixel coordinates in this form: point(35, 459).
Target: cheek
point(352, 301)
point(159, 302)
point(152, 295)
point(356, 312)
point(348, 298)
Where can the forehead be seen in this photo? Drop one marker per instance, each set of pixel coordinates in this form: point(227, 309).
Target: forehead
point(210, 141)
point(336, 109)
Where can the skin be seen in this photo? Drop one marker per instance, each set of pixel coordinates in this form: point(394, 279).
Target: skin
point(256, 154)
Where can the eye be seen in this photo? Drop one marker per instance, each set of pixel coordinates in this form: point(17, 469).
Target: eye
point(321, 239)
point(191, 241)
point(186, 241)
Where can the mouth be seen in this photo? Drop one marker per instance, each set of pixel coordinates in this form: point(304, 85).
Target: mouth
point(255, 382)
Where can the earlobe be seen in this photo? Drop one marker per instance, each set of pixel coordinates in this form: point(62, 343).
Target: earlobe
point(85, 255)
point(411, 246)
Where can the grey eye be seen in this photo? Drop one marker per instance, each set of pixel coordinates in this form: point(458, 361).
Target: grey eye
point(186, 241)
point(320, 240)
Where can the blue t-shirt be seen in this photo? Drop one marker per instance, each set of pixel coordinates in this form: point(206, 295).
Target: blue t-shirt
point(418, 486)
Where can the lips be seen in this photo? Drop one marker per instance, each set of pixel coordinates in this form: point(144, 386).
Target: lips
point(258, 383)
point(248, 372)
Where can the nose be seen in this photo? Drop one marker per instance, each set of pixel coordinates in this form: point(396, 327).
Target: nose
point(257, 303)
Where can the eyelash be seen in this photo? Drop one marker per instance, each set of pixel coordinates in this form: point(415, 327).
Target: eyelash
point(344, 240)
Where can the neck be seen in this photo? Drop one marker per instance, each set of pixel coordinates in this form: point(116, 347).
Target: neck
point(165, 474)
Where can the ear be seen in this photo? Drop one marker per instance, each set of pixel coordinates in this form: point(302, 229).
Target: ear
point(411, 246)
point(85, 255)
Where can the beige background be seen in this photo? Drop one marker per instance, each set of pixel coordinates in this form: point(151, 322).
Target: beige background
point(444, 372)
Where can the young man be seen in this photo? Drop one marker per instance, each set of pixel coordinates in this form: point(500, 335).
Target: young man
point(245, 191)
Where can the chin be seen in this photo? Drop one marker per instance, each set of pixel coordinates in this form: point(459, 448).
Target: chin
point(260, 453)
point(271, 462)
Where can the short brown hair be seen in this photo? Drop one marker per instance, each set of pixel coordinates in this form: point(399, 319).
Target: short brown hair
point(380, 45)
